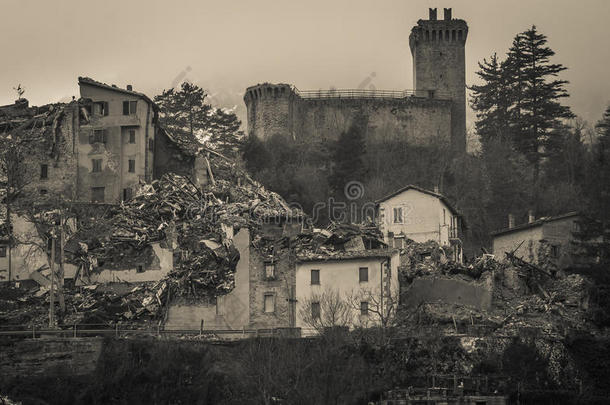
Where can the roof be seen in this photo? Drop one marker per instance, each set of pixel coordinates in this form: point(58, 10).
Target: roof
point(534, 224)
point(421, 190)
point(90, 81)
point(347, 255)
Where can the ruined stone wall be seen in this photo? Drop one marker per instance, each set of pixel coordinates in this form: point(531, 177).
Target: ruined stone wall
point(231, 311)
point(278, 110)
point(281, 287)
point(170, 159)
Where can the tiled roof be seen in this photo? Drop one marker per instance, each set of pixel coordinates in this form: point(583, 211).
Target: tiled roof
point(538, 222)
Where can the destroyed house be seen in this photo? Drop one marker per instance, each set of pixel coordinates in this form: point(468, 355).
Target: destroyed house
point(538, 240)
point(421, 215)
point(116, 145)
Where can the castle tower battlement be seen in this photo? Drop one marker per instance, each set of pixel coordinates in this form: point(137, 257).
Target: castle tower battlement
point(434, 111)
point(438, 50)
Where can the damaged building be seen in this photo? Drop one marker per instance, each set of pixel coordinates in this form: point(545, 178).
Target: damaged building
point(421, 215)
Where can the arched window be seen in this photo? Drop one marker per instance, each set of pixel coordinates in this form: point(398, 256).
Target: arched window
point(453, 35)
point(427, 35)
point(433, 35)
point(460, 34)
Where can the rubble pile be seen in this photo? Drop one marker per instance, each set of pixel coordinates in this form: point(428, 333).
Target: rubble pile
point(340, 240)
point(525, 295)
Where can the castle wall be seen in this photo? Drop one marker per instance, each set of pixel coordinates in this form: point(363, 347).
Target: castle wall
point(278, 110)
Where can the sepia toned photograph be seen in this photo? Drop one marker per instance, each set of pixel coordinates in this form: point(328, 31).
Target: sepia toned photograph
point(329, 202)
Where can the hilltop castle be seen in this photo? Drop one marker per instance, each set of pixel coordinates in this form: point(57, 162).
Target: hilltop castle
point(434, 110)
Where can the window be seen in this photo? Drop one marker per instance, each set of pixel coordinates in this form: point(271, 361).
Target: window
point(269, 303)
point(129, 107)
point(140, 268)
point(315, 310)
point(132, 136)
point(363, 274)
point(269, 270)
point(97, 194)
point(100, 108)
point(398, 215)
point(97, 136)
point(555, 251)
point(132, 166)
point(44, 172)
point(43, 191)
point(151, 144)
point(96, 165)
point(315, 277)
point(364, 308)
point(2, 251)
point(126, 194)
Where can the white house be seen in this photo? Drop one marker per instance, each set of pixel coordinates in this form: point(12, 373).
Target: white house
point(354, 288)
point(421, 215)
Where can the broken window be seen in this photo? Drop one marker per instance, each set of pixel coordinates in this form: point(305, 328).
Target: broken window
point(127, 194)
point(132, 136)
point(555, 251)
point(132, 166)
point(97, 194)
point(364, 308)
point(100, 108)
point(315, 277)
point(44, 172)
point(398, 215)
point(97, 136)
point(363, 274)
point(129, 107)
point(96, 165)
point(269, 270)
point(2, 251)
point(269, 303)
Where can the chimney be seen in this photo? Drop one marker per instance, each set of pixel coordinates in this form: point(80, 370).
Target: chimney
point(129, 87)
point(530, 216)
point(511, 221)
point(432, 13)
point(447, 14)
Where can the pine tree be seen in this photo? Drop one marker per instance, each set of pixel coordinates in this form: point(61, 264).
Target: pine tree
point(535, 94)
point(595, 224)
point(225, 135)
point(186, 112)
point(491, 101)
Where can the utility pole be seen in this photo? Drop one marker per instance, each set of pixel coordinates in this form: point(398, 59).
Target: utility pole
point(60, 281)
point(51, 290)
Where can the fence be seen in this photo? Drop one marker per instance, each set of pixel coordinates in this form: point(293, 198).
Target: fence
point(369, 94)
point(88, 330)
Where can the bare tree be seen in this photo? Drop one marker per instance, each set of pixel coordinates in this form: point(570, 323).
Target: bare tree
point(326, 310)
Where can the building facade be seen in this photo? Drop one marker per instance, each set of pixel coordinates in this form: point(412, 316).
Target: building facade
point(116, 145)
point(433, 112)
point(421, 215)
point(539, 240)
point(354, 289)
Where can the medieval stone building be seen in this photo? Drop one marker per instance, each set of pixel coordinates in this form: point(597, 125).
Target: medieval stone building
point(434, 110)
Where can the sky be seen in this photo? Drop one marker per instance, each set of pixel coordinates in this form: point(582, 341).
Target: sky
point(226, 46)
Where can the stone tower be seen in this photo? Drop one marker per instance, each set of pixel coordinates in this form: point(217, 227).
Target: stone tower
point(437, 47)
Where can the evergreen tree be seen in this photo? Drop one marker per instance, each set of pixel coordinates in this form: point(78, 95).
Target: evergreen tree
point(535, 94)
point(491, 101)
point(595, 225)
point(255, 154)
point(186, 112)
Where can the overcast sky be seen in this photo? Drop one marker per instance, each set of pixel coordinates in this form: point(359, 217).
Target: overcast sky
point(225, 46)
